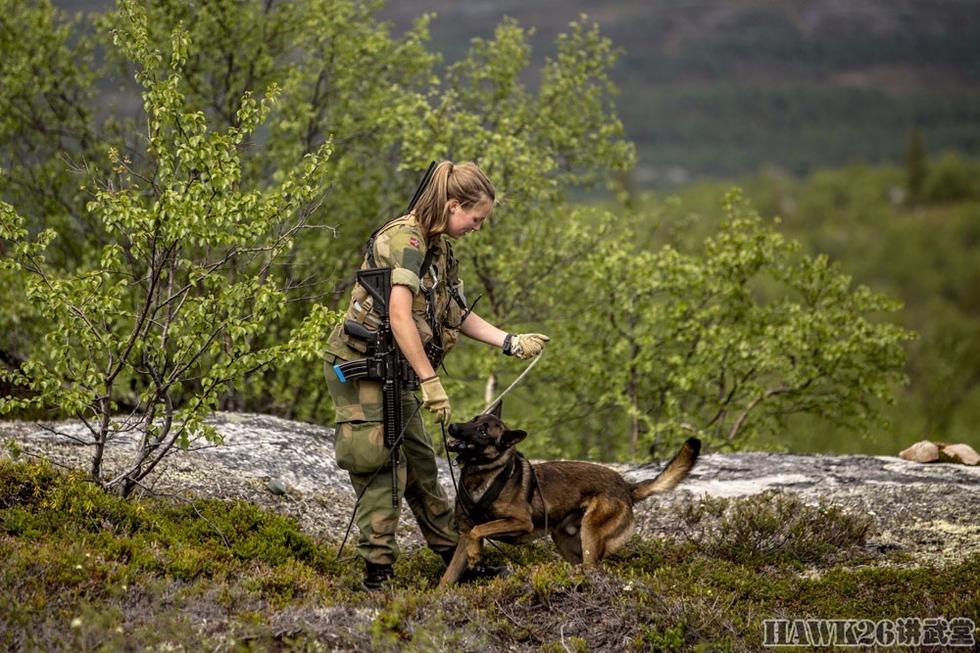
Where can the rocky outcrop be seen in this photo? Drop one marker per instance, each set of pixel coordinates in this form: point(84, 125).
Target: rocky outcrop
point(963, 454)
point(926, 510)
point(921, 452)
point(930, 452)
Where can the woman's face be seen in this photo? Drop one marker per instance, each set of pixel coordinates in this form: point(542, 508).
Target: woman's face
point(462, 221)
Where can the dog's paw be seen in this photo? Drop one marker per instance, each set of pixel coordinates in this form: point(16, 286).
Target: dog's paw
point(473, 555)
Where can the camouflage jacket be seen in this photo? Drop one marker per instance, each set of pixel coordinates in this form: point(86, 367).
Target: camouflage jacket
point(438, 294)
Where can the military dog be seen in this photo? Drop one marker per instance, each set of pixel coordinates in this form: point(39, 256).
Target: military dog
point(587, 509)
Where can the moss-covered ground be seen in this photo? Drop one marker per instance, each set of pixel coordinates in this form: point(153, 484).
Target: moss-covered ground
point(83, 570)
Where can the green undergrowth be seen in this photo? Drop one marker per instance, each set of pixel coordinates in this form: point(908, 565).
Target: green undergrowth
point(774, 528)
point(82, 570)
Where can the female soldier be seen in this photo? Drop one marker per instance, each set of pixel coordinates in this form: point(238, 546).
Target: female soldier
point(426, 313)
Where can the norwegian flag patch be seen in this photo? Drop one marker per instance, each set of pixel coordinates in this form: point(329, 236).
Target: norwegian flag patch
point(414, 242)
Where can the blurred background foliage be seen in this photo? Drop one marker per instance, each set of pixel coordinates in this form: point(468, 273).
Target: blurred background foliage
point(614, 150)
point(920, 249)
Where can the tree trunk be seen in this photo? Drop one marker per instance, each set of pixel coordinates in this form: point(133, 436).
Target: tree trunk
point(489, 389)
point(634, 391)
point(634, 415)
point(100, 439)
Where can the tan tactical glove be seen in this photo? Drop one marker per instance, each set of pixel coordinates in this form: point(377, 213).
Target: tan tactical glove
point(435, 399)
point(524, 345)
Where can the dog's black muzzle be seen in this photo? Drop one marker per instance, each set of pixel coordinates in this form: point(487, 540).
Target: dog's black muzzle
point(456, 446)
point(453, 444)
point(458, 442)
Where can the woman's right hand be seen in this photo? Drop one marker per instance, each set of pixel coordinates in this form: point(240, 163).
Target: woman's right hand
point(435, 399)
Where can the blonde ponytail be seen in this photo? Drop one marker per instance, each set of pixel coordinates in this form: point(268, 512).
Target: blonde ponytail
point(465, 183)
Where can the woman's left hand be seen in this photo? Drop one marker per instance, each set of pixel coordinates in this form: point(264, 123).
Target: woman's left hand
point(527, 345)
point(435, 399)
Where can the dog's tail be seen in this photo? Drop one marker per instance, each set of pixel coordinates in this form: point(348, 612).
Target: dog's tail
point(675, 472)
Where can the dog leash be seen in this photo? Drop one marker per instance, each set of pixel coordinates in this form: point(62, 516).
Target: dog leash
point(490, 407)
point(534, 478)
point(520, 378)
point(535, 485)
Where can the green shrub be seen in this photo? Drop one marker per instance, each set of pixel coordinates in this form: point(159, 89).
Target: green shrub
point(20, 484)
point(952, 179)
point(189, 539)
point(773, 528)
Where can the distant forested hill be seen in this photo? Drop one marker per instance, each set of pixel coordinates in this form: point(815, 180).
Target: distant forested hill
point(724, 87)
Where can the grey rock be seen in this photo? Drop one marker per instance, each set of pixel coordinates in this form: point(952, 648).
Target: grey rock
point(276, 486)
point(925, 510)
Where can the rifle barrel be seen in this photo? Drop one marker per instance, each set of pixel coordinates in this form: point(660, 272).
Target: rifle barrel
point(421, 189)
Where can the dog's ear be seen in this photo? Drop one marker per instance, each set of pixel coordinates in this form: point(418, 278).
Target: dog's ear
point(510, 438)
point(498, 409)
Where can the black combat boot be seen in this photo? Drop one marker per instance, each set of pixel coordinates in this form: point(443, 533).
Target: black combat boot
point(375, 577)
point(478, 572)
point(482, 571)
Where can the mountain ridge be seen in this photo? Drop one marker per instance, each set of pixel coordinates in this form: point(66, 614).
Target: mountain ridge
point(724, 88)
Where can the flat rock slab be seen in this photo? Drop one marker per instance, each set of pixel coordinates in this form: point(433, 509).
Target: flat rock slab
point(928, 510)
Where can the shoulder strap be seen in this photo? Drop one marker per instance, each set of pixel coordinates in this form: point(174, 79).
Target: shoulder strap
point(427, 261)
point(369, 246)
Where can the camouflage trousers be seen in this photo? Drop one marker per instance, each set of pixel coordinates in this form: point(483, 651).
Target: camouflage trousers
point(361, 452)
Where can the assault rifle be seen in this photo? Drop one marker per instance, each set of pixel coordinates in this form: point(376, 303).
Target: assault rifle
point(384, 361)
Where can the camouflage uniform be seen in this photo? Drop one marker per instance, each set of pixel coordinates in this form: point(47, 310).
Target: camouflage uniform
point(360, 448)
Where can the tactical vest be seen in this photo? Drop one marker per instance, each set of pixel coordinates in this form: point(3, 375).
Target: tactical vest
point(438, 308)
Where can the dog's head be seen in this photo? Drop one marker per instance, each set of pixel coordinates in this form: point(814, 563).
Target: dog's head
point(483, 439)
